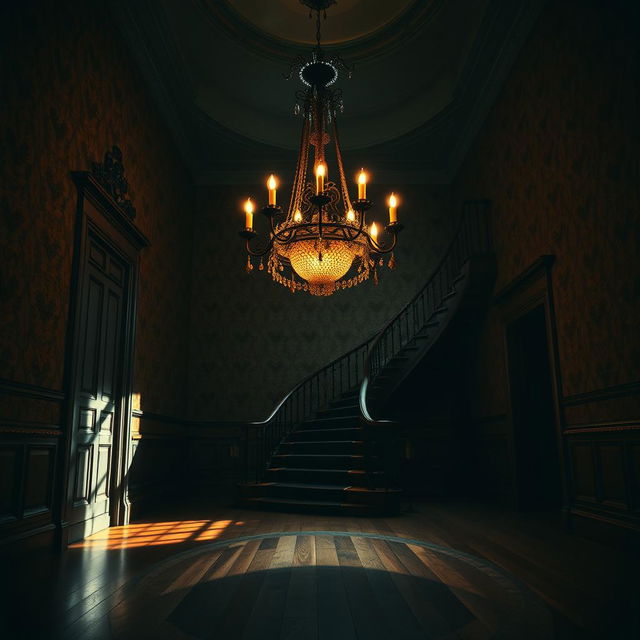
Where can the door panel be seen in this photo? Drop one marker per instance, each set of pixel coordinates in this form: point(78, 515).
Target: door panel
point(98, 396)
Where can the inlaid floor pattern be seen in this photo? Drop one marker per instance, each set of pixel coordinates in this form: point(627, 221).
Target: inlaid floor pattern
point(326, 585)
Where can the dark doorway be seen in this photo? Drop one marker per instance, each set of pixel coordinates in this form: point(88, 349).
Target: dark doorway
point(537, 463)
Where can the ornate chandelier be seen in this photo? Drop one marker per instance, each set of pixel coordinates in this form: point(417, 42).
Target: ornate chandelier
point(322, 242)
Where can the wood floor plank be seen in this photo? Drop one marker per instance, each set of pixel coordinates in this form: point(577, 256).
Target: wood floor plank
point(334, 614)
point(398, 614)
point(443, 599)
point(153, 612)
point(200, 609)
point(423, 609)
point(301, 612)
point(266, 619)
point(367, 619)
point(234, 619)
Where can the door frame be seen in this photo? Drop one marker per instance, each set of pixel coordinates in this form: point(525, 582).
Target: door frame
point(531, 289)
point(104, 210)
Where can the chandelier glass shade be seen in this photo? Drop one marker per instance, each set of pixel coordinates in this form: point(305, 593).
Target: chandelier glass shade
point(321, 242)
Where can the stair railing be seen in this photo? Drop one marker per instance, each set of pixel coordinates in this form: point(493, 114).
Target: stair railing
point(359, 365)
point(471, 238)
point(303, 401)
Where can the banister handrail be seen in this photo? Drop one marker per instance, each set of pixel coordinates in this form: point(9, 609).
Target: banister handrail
point(309, 377)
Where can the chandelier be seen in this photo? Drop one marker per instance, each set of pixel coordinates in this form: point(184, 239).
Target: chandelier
point(322, 242)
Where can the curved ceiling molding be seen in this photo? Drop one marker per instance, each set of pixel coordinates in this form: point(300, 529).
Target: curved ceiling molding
point(361, 30)
point(426, 73)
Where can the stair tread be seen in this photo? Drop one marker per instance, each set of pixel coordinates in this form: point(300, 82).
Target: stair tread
point(306, 442)
point(319, 455)
point(313, 486)
point(326, 430)
point(312, 470)
point(315, 503)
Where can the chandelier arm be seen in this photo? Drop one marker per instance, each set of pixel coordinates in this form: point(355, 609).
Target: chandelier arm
point(343, 181)
point(373, 244)
point(301, 169)
point(256, 253)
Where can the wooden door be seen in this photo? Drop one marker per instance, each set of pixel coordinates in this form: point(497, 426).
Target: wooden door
point(98, 397)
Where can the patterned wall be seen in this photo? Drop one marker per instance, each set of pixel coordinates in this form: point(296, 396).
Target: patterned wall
point(558, 156)
point(252, 340)
point(70, 91)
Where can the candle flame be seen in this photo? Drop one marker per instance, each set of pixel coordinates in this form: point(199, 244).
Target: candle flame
point(248, 206)
point(271, 182)
point(297, 216)
point(393, 201)
point(362, 177)
point(321, 169)
point(351, 216)
point(374, 230)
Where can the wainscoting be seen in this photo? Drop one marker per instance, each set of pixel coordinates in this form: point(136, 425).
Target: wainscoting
point(174, 457)
point(602, 435)
point(30, 434)
point(171, 457)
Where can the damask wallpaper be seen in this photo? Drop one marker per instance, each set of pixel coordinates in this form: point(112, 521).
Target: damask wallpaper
point(69, 92)
point(252, 340)
point(558, 156)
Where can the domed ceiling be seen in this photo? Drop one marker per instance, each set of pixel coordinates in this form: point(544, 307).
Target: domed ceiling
point(425, 74)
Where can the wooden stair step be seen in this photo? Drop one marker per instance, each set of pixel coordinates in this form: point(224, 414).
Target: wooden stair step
point(342, 433)
point(319, 461)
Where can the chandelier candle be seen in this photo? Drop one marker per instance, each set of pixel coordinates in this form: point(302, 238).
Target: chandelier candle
point(321, 242)
point(362, 185)
point(248, 210)
point(393, 209)
point(272, 185)
point(321, 171)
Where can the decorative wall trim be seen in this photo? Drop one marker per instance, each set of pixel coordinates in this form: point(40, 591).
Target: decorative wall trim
point(608, 393)
point(14, 388)
point(198, 424)
point(30, 428)
point(543, 263)
point(602, 427)
point(110, 174)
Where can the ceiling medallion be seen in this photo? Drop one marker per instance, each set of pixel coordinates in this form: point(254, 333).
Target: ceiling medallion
point(322, 243)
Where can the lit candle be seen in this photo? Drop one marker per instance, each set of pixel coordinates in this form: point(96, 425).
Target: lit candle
point(362, 185)
point(351, 216)
point(373, 232)
point(393, 209)
point(271, 185)
point(248, 209)
point(321, 171)
point(297, 216)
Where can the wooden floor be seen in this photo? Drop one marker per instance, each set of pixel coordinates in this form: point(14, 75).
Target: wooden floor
point(447, 571)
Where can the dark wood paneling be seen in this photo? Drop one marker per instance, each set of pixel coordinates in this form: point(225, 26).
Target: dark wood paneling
point(30, 431)
point(604, 472)
point(583, 476)
point(39, 479)
point(9, 482)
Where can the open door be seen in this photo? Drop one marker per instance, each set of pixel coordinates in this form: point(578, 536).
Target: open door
point(100, 352)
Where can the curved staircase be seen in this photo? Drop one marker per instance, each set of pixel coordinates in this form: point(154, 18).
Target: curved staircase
point(321, 450)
